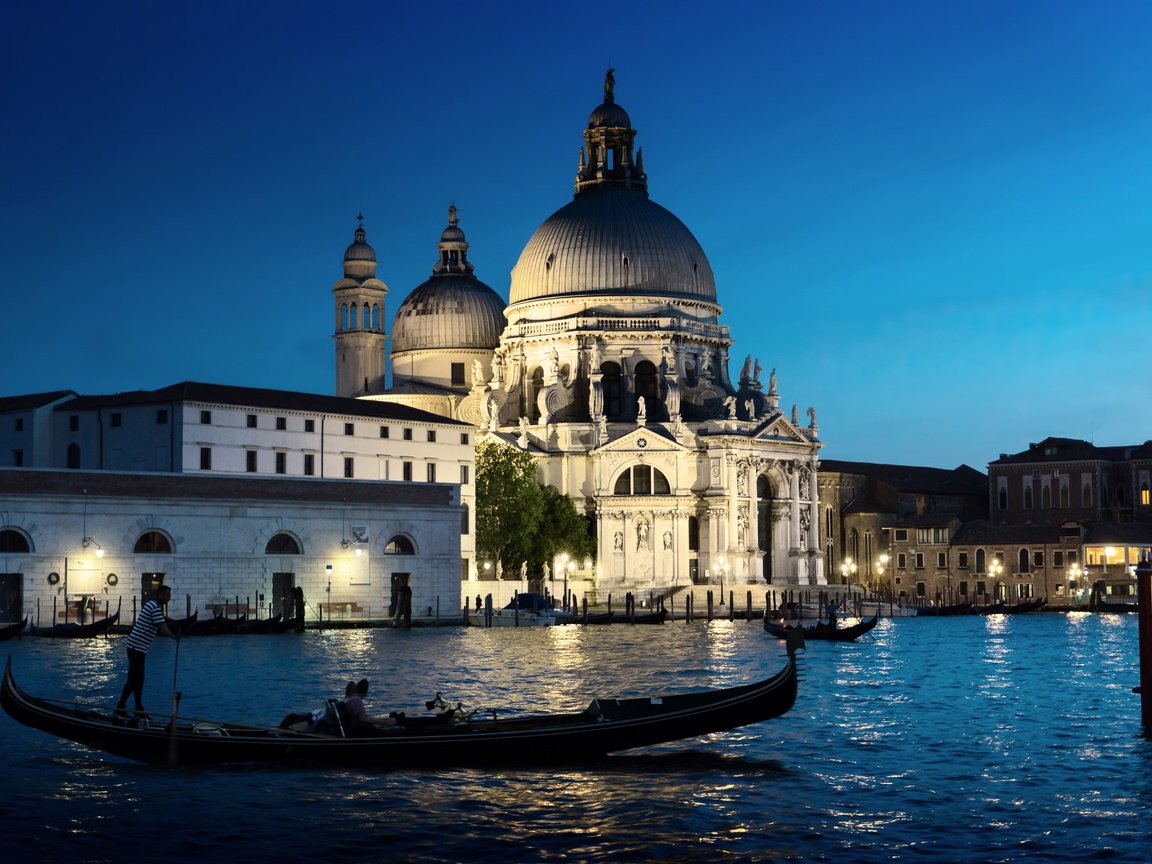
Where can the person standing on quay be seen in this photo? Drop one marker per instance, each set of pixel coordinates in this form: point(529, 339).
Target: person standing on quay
point(148, 624)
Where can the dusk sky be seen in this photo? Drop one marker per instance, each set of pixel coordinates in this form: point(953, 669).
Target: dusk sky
point(933, 219)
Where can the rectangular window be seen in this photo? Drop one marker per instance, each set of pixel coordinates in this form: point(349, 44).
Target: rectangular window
point(463, 437)
point(408, 471)
point(981, 590)
point(383, 431)
point(251, 421)
point(963, 588)
point(431, 472)
point(348, 467)
point(281, 463)
point(962, 560)
point(282, 423)
point(19, 424)
point(205, 458)
point(901, 535)
point(74, 423)
point(309, 465)
point(162, 417)
point(205, 418)
point(407, 434)
point(941, 560)
point(17, 458)
point(431, 436)
point(902, 561)
point(1037, 559)
point(920, 589)
point(919, 560)
point(309, 425)
point(458, 375)
point(117, 420)
point(1058, 558)
point(464, 474)
point(250, 457)
point(349, 429)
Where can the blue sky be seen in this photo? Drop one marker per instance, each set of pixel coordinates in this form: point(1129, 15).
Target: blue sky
point(934, 219)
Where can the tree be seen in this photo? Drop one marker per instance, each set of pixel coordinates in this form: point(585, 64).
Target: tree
point(509, 503)
point(563, 529)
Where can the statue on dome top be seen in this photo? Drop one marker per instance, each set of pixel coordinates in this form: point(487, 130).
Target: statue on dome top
point(609, 84)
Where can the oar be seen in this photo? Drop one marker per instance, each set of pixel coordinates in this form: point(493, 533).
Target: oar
point(175, 707)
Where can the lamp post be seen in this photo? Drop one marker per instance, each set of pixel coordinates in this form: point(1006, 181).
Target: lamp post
point(995, 568)
point(1074, 574)
point(723, 570)
point(881, 568)
point(847, 571)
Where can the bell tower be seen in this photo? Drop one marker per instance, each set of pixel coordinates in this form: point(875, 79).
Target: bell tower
point(359, 304)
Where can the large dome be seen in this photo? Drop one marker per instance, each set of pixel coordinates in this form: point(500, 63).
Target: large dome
point(612, 241)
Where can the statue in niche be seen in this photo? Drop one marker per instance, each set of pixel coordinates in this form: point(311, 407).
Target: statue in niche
point(706, 363)
point(741, 482)
point(668, 360)
point(730, 406)
point(553, 362)
point(742, 528)
point(772, 383)
point(804, 485)
point(477, 373)
point(805, 524)
point(641, 409)
point(594, 361)
point(667, 539)
point(642, 534)
point(618, 541)
point(497, 368)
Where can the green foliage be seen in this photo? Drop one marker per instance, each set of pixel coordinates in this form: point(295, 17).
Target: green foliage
point(517, 520)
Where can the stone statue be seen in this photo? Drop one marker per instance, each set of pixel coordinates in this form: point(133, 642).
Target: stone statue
point(642, 534)
point(641, 409)
point(772, 383)
point(498, 368)
point(750, 407)
point(756, 371)
point(667, 539)
point(553, 362)
point(706, 363)
point(730, 405)
point(594, 361)
point(795, 416)
point(477, 373)
point(609, 84)
point(523, 570)
point(812, 417)
point(618, 541)
point(746, 371)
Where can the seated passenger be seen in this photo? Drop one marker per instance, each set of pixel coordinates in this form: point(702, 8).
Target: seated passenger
point(361, 719)
point(329, 722)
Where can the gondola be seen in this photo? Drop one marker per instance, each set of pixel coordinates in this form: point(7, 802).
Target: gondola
point(276, 624)
point(822, 631)
point(945, 611)
point(180, 626)
point(11, 631)
point(1014, 608)
point(657, 617)
point(77, 631)
point(605, 726)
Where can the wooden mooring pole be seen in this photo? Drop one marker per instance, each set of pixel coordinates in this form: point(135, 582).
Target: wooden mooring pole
point(1144, 612)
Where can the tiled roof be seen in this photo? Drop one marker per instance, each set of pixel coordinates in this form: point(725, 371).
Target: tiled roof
point(257, 397)
point(32, 400)
point(1075, 450)
point(962, 480)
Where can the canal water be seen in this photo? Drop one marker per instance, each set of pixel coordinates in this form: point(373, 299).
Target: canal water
point(965, 739)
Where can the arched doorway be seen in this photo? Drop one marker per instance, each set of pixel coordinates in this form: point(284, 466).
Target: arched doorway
point(764, 524)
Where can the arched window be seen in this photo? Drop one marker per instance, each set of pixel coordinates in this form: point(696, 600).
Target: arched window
point(153, 542)
point(12, 540)
point(1064, 495)
point(399, 545)
point(642, 480)
point(352, 317)
point(1046, 498)
point(1023, 557)
point(1028, 497)
point(282, 544)
point(980, 561)
point(73, 455)
point(1145, 494)
point(343, 316)
point(1086, 495)
point(367, 317)
point(611, 383)
point(533, 386)
point(693, 534)
point(1003, 498)
point(647, 387)
point(376, 317)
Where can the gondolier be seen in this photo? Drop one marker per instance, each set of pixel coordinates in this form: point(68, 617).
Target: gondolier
point(148, 624)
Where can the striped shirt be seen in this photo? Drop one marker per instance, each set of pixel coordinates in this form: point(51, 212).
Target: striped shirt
point(144, 630)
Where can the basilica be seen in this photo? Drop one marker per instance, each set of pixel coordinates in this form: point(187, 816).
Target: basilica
point(609, 364)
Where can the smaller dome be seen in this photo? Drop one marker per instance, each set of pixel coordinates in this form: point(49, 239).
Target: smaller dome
point(449, 312)
point(452, 234)
point(609, 115)
point(360, 250)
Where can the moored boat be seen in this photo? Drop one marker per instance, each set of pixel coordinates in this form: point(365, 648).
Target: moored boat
point(605, 726)
point(946, 610)
point(77, 631)
point(11, 631)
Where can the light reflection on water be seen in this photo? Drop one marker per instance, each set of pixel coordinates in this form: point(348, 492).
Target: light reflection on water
point(1001, 738)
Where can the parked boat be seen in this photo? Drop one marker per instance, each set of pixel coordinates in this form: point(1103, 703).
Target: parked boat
point(276, 624)
point(1014, 608)
point(77, 631)
point(605, 726)
point(946, 610)
point(823, 630)
point(525, 609)
point(885, 610)
point(11, 631)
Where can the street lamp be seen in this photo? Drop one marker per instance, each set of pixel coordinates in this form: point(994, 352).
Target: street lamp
point(1074, 574)
point(847, 571)
point(995, 568)
point(881, 567)
point(723, 570)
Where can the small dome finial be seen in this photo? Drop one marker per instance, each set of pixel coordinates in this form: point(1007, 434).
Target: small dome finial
point(610, 84)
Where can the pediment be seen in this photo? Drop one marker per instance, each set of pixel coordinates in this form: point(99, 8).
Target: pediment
point(780, 429)
point(646, 439)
